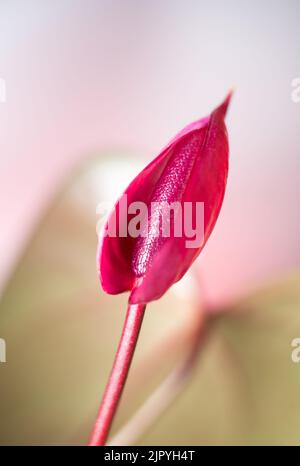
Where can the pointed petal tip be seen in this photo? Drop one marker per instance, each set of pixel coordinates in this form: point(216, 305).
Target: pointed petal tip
point(224, 106)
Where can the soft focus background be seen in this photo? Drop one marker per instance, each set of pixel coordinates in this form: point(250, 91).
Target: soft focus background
point(94, 89)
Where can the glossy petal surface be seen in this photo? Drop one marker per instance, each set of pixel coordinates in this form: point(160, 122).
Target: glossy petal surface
point(192, 168)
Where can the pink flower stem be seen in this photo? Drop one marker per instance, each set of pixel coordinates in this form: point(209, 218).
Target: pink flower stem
point(118, 375)
point(198, 329)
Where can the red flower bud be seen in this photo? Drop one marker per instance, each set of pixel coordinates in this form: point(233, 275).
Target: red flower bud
point(191, 169)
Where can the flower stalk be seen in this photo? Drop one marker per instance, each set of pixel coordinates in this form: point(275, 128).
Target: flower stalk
point(197, 329)
point(119, 373)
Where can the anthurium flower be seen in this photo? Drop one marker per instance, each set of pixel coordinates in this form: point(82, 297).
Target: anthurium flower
point(143, 252)
point(191, 169)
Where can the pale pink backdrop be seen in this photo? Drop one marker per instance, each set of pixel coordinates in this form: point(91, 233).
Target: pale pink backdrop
point(88, 75)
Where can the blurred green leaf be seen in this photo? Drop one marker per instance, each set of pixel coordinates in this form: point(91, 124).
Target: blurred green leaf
point(246, 389)
point(61, 332)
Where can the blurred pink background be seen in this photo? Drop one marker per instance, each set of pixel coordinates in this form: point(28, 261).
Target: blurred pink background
point(87, 75)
